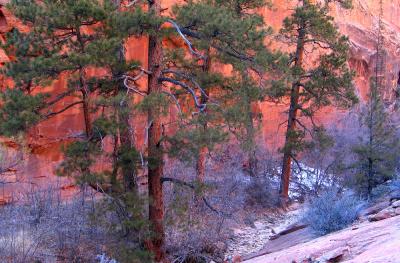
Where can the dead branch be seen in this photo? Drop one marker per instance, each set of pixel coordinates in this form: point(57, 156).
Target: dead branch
point(200, 106)
point(172, 96)
point(188, 77)
point(130, 4)
point(132, 88)
point(188, 43)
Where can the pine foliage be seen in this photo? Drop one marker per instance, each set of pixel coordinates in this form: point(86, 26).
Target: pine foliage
point(377, 152)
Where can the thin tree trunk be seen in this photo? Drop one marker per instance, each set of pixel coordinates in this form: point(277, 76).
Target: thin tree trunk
point(291, 126)
point(85, 99)
point(155, 167)
point(129, 173)
point(114, 174)
point(201, 164)
point(201, 160)
point(250, 133)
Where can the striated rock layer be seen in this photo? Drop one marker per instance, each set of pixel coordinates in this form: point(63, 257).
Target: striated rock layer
point(360, 24)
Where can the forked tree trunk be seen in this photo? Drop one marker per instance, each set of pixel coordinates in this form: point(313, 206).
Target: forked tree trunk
point(201, 160)
point(155, 167)
point(291, 125)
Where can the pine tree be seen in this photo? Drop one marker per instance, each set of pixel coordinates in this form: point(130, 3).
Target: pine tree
point(61, 43)
point(378, 150)
point(182, 76)
point(70, 39)
point(230, 33)
point(324, 80)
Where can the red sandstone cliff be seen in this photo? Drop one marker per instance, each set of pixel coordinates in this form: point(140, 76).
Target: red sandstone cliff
point(359, 24)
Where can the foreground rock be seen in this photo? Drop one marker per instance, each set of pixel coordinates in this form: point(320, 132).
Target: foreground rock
point(284, 241)
point(250, 240)
point(375, 242)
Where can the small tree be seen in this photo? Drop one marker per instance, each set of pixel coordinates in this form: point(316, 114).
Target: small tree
point(378, 150)
point(321, 80)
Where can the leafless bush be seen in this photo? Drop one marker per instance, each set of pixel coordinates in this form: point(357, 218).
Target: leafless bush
point(332, 211)
point(42, 227)
point(322, 167)
point(195, 229)
point(262, 192)
point(198, 231)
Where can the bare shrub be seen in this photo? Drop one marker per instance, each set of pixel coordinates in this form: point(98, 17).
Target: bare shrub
point(195, 217)
point(44, 228)
point(385, 189)
point(332, 211)
point(261, 192)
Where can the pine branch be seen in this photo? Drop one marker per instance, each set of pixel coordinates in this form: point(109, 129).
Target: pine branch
point(51, 114)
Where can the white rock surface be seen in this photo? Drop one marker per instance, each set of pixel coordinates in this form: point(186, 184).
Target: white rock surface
point(396, 204)
point(248, 239)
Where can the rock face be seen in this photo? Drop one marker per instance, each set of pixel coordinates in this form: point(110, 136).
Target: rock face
point(359, 24)
point(365, 241)
point(376, 242)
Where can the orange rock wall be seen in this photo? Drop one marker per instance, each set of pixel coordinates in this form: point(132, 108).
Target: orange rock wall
point(359, 24)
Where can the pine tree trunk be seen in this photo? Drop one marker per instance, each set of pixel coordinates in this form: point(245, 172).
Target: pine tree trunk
point(201, 160)
point(155, 168)
point(128, 173)
point(250, 133)
point(201, 164)
point(86, 114)
point(125, 137)
point(291, 126)
point(85, 99)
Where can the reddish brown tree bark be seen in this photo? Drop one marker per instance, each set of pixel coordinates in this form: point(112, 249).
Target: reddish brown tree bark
point(155, 167)
point(291, 126)
point(85, 99)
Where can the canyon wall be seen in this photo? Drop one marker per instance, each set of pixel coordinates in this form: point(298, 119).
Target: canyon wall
point(42, 151)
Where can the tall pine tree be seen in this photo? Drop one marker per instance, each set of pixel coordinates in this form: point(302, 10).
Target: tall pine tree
point(73, 39)
point(320, 80)
point(231, 34)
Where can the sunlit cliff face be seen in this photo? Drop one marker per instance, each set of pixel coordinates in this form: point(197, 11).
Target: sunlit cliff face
point(359, 24)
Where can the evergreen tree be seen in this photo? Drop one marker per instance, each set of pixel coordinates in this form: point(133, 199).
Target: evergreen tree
point(230, 33)
point(378, 150)
point(71, 39)
point(321, 80)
